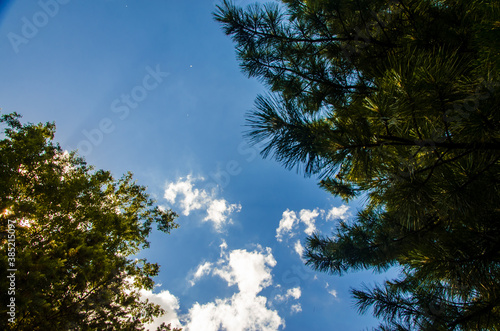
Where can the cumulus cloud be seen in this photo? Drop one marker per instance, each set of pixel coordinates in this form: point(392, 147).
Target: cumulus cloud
point(193, 197)
point(237, 313)
point(289, 225)
point(246, 309)
point(308, 217)
point(338, 213)
point(294, 293)
point(189, 198)
point(218, 212)
point(299, 249)
point(168, 302)
point(296, 308)
point(250, 271)
point(290, 293)
point(289, 222)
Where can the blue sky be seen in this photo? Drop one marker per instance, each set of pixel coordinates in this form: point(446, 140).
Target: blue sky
point(153, 87)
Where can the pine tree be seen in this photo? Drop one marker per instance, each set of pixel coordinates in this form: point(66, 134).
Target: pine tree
point(396, 102)
point(69, 235)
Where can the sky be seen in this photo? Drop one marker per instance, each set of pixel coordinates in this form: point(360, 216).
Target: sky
point(153, 87)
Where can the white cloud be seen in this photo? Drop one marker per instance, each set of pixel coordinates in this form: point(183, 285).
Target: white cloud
point(308, 217)
point(299, 249)
point(202, 270)
point(168, 302)
point(332, 291)
point(294, 293)
point(219, 211)
point(190, 198)
point(237, 313)
point(288, 221)
point(223, 247)
point(291, 220)
point(296, 308)
point(290, 293)
point(338, 213)
point(250, 271)
point(244, 310)
point(193, 198)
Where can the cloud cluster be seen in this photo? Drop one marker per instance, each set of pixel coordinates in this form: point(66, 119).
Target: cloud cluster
point(290, 221)
point(290, 293)
point(333, 292)
point(246, 309)
point(189, 198)
point(250, 273)
point(294, 293)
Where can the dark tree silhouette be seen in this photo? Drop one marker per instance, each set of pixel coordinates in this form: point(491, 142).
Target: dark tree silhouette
point(398, 102)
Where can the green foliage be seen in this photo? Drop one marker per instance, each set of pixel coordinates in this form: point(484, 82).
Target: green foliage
point(164, 327)
point(76, 230)
point(396, 101)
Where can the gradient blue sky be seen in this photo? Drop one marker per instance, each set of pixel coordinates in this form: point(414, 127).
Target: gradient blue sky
point(153, 87)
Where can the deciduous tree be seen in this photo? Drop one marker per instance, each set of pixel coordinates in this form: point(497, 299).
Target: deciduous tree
point(71, 233)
